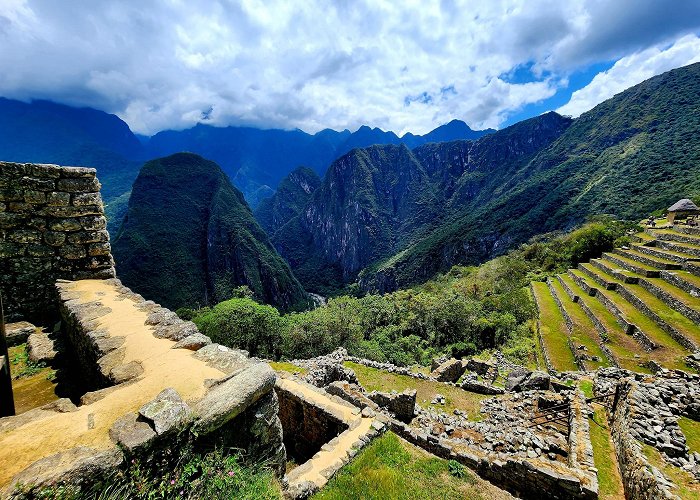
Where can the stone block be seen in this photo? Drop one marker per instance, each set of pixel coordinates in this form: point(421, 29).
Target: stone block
point(123, 373)
point(96, 249)
point(68, 224)
point(88, 237)
point(78, 185)
point(24, 236)
point(131, 433)
point(77, 172)
point(193, 342)
point(41, 348)
point(35, 197)
point(449, 371)
point(33, 183)
point(11, 220)
point(45, 170)
point(85, 199)
point(54, 238)
point(57, 199)
point(167, 411)
point(93, 223)
point(17, 333)
point(11, 250)
point(72, 252)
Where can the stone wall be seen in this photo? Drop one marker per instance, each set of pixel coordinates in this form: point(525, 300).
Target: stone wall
point(52, 226)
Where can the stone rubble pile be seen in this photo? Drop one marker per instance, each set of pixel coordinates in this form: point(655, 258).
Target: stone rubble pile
point(324, 370)
point(656, 404)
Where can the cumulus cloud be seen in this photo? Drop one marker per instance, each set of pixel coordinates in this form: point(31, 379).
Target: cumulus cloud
point(319, 63)
point(631, 70)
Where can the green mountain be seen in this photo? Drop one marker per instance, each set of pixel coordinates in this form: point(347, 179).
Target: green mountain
point(393, 217)
point(292, 195)
point(189, 238)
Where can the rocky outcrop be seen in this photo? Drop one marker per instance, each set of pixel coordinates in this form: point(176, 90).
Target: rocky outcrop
point(41, 348)
point(402, 405)
point(530, 381)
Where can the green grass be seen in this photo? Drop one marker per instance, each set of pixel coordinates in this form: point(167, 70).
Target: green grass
point(20, 364)
point(285, 366)
point(609, 481)
point(553, 330)
point(455, 398)
point(687, 487)
point(671, 354)
point(691, 431)
point(623, 347)
point(584, 332)
point(391, 468)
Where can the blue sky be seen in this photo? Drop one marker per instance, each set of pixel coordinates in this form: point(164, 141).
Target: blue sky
point(312, 64)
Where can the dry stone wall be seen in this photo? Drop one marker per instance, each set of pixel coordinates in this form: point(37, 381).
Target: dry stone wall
point(52, 226)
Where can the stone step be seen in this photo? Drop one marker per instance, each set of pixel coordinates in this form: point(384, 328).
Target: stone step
point(554, 338)
point(598, 276)
point(623, 350)
point(614, 269)
point(684, 280)
point(680, 247)
point(645, 238)
point(585, 341)
point(666, 350)
point(656, 262)
point(681, 329)
point(692, 267)
point(680, 290)
point(665, 254)
point(671, 235)
point(682, 228)
point(632, 265)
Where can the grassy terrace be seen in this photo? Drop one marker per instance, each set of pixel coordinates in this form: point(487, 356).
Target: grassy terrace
point(553, 329)
point(674, 253)
point(659, 263)
point(392, 468)
point(684, 325)
point(672, 232)
point(687, 487)
point(609, 481)
point(455, 398)
point(284, 366)
point(584, 332)
point(629, 261)
point(670, 354)
point(623, 347)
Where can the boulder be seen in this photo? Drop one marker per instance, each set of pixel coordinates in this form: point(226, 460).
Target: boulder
point(131, 432)
point(402, 405)
point(41, 348)
point(193, 342)
point(18, 333)
point(323, 373)
point(478, 366)
point(531, 381)
point(449, 371)
point(126, 372)
point(167, 411)
point(436, 362)
point(475, 385)
point(225, 401)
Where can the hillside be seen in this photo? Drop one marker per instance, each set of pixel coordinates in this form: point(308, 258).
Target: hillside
point(289, 200)
point(378, 201)
point(190, 246)
point(627, 156)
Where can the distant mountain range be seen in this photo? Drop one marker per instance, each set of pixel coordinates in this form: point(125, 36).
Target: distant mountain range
point(390, 216)
point(255, 160)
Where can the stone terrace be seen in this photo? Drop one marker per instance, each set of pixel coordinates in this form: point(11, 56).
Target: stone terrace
point(636, 308)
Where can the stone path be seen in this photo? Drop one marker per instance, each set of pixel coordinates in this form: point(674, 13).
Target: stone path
point(38, 433)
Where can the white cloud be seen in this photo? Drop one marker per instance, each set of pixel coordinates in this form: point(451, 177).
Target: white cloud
point(315, 64)
point(631, 70)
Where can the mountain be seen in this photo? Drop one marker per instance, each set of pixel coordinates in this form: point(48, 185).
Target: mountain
point(376, 202)
point(627, 156)
point(189, 238)
point(257, 160)
point(46, 132)
point(392, 217)
point(288, 201)
point(452, 131)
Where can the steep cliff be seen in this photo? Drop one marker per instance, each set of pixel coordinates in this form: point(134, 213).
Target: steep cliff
point(289, 200)
point(189, 238)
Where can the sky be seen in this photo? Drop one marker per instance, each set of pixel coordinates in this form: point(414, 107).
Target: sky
point(402, 65)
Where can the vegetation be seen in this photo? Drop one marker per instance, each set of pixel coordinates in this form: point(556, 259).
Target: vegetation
point(189, 238)
point(21, 365)
point(213, 474)
point(455, 398)
point(463, 312)
point(687, 486)
point(609, 481)
point(392, 468)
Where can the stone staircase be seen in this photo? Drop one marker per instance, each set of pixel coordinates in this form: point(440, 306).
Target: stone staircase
point(636, 307)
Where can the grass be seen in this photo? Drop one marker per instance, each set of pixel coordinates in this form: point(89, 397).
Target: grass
point(373, 379)
point(33, 384)
point(392, 468)
point(584, 332)
point(553, 330)
point(20, 364)
point(285, 366)
point(687, 487)
point(609, 481)
point(691, 431)
point(671, 354)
